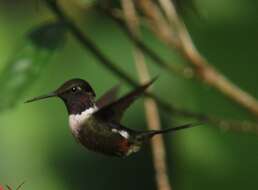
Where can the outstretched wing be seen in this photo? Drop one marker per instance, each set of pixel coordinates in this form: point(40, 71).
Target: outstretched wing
point(115, 110)
point(109, 97)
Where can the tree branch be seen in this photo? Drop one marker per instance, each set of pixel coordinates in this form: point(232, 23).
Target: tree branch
point(151, 110)
point(185, 46)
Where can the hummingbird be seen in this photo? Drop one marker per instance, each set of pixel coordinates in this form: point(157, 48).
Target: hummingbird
point(96, 124)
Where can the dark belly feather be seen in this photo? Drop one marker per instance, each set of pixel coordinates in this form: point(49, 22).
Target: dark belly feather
point(99, 138)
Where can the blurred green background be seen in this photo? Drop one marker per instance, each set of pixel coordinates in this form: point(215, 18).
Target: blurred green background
point(35, 141)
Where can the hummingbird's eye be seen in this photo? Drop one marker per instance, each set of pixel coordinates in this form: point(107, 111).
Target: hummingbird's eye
point(77, 88)
point(74, 89)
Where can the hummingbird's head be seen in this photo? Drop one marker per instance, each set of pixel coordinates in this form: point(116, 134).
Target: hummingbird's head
point(77, 95)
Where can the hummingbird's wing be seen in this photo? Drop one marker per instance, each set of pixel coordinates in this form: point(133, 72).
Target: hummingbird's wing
point(115, 110)
point(109, 97)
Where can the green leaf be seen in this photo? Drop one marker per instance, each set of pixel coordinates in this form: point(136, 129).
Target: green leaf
point(26, 64)
point(48, 36)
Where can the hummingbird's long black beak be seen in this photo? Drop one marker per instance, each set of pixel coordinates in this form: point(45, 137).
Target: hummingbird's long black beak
point(52, 94)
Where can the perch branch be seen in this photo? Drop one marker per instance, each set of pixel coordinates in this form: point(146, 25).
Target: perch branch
point(185, 46)
point(151, 110)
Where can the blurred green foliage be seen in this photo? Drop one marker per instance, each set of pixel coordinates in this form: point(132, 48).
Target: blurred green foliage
point(38, 148)
point(26, 64)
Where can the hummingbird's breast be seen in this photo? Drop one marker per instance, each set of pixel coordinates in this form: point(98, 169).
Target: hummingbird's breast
point(76, 121)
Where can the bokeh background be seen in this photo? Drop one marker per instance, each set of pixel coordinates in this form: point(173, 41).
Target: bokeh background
point(35, 142)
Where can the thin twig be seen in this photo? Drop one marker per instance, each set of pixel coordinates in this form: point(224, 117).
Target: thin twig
point(180, 70)
point(87, 42)
point(20, 186)
point(151, 110)
point(10, 188)
point(158, 23)
point(185, 46)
